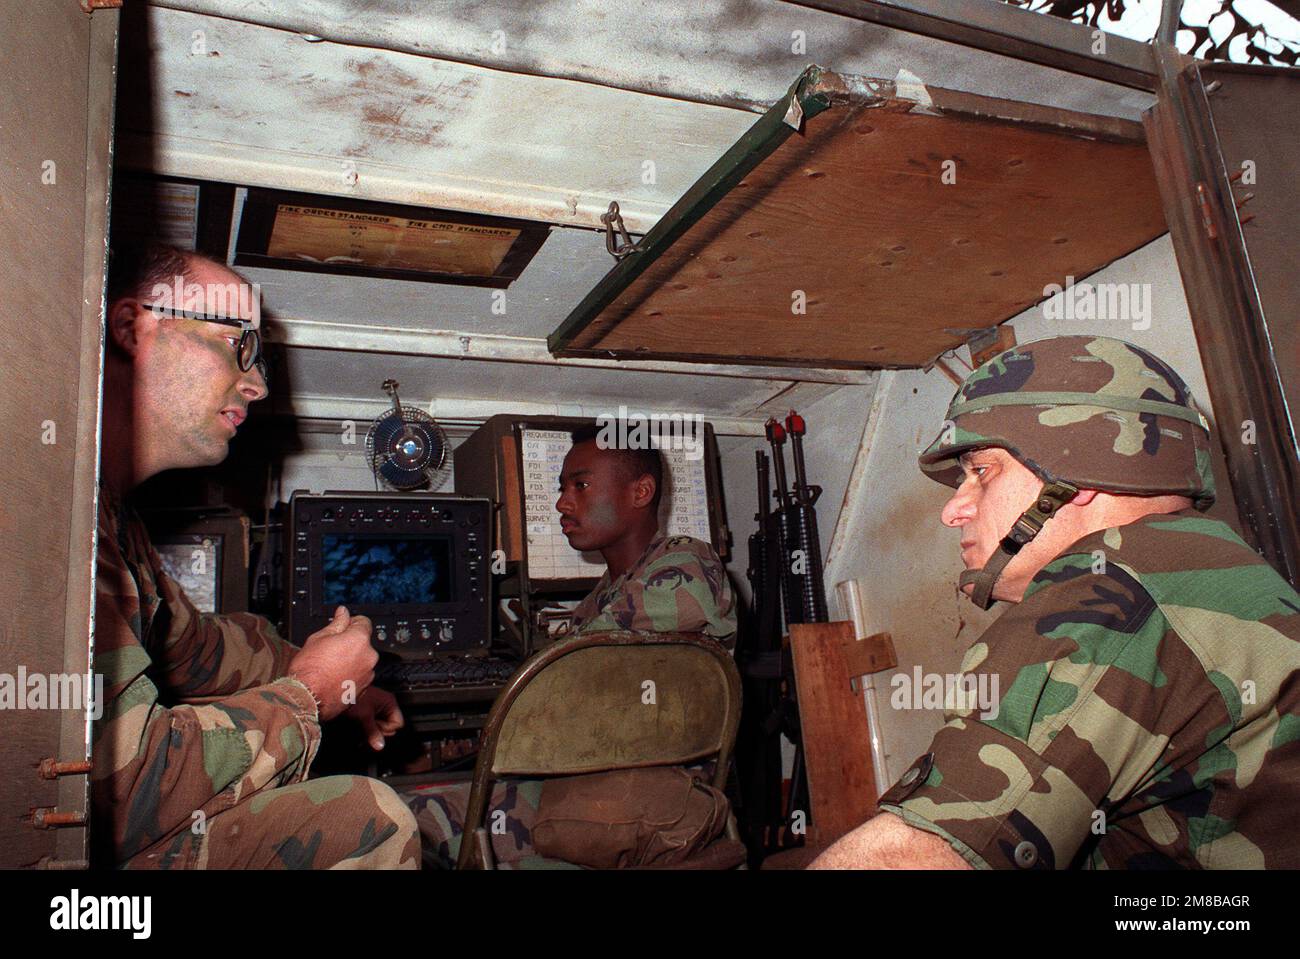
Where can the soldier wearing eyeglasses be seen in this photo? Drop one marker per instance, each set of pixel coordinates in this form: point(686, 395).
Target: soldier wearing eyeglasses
point(210, 723)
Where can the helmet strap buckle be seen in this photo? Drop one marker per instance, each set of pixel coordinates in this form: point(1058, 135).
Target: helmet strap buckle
point(1050, 499)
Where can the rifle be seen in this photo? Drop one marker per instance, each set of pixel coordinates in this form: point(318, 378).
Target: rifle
point(769, 692)
point(758, 745)
point(757, 572)
point(789, 598)
point(812, 587)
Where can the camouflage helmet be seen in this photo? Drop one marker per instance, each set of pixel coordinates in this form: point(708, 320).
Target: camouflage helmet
point(1091, 411)
point(1080, 412)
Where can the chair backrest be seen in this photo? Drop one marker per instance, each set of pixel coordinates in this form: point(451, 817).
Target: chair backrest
point(603, 701)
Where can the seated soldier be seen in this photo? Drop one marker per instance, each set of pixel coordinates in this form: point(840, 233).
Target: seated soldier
point(609, 503)
point(210, 723)
point(1150, 666)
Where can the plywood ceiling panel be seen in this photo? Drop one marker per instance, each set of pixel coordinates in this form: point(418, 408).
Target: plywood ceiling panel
point(898, 224)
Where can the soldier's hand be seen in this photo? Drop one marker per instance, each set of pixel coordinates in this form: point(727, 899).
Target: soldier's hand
point(332, 658)
point(379, 715)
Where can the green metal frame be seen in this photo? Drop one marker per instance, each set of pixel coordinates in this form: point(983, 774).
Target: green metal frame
point(758, 143)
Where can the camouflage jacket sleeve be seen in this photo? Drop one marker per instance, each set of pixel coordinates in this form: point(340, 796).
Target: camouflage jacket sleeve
point(1095, 700)
point(154, 766)
point(682, 589)
point(205, 654)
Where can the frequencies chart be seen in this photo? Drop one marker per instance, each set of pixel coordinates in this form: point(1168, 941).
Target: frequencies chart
point(683, 512)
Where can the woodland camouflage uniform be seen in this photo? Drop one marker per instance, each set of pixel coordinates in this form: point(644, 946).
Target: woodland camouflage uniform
point(1150, 677)
point(202, 752)
point(677, 586)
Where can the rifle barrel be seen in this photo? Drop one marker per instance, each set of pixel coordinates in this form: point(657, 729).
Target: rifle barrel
point(811, 584)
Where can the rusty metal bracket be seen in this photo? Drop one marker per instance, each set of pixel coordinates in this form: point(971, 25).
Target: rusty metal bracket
point(90, 6)
point(987, 344)
point(51, 768)
point(48, 817)
point(617, 240)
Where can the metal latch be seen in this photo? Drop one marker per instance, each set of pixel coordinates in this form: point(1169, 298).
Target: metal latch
point(617, 240)
point(91, 5)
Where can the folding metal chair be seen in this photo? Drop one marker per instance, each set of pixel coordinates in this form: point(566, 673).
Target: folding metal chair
point(605, 701)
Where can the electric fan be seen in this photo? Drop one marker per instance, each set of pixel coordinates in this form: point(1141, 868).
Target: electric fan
point(407, 448)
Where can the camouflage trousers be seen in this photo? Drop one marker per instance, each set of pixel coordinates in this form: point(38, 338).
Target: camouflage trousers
point(336, 822)
point(440, 812)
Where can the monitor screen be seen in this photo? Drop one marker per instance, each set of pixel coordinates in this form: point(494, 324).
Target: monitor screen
point(388, 571)
point(195, 563)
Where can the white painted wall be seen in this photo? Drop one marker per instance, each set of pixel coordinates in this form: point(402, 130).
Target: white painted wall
point(317, 471)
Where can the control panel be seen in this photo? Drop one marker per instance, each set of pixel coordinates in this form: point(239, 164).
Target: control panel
point(415, 564)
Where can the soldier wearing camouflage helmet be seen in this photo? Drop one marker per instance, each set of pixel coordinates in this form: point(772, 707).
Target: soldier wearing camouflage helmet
point(1150, 710)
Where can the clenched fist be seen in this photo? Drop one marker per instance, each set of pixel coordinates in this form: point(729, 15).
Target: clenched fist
point(335, 661)
point(379, 715)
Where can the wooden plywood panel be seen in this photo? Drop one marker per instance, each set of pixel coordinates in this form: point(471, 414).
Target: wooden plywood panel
point(833, 720)
point(509, 535)
point(902, 223)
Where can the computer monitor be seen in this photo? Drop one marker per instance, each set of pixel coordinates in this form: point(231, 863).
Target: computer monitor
point(416, 564)
point(195, 563)
point(205, 550)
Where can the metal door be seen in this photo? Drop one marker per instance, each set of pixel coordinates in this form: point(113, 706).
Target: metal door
point(57, 68)
point(1226, 147)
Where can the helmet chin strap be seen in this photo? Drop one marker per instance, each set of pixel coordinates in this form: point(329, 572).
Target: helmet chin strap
point(1050, 499)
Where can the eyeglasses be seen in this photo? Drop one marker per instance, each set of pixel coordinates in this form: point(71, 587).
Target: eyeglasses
point(248, 351)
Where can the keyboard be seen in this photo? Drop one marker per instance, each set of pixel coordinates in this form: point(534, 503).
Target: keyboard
point(447, 679)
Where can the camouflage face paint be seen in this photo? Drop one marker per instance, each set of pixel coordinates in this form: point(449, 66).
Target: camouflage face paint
point(602, 513)
point(593, 491)
point(187, 373)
